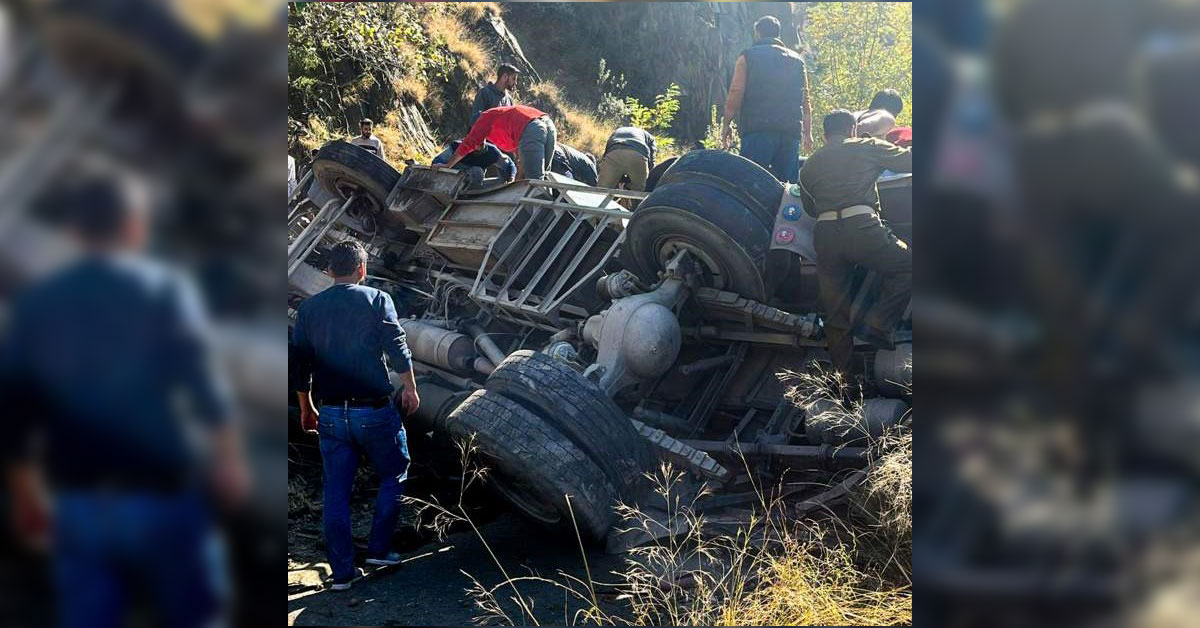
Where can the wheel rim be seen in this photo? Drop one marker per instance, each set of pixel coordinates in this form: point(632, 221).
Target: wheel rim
point(525, 499)
point(714, 274)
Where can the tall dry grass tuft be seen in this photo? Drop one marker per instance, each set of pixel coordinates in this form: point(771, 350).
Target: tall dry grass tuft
point(472, 12)
point(473, 57)
point(769, 571)
point(576, 127)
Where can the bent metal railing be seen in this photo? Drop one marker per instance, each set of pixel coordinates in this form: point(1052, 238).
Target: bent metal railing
point(556, 238)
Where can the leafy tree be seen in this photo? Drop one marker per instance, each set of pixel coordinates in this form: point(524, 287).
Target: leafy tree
point(858, 48)
point(657, 117)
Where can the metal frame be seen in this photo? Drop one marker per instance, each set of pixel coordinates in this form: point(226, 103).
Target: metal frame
point(536, 303)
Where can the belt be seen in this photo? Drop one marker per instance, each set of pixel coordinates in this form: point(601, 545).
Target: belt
point(853, 210)
point(358, 402)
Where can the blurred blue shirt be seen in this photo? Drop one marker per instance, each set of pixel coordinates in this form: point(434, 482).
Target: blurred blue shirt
point(108, 360)
point(339, 342)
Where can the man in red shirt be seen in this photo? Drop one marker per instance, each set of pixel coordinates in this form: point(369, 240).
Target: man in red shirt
point(519, 129)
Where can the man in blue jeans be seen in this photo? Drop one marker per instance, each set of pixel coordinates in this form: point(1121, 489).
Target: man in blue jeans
point(769, 98)
point(96, 360)
point(340, 340)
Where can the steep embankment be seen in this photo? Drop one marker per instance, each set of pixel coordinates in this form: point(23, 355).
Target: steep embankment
point(414, 68)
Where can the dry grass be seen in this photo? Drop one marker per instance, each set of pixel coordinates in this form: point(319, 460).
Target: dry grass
point(472, 12)
point(576, 127)
point(473, 57)
point(772, 570)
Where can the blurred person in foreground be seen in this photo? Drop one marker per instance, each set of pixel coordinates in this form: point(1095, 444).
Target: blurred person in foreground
point(94, 364)
point(839, 179)
point(768, 95)
point(341, 337)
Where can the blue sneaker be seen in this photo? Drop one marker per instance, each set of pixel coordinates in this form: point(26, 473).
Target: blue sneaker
point(392, 558)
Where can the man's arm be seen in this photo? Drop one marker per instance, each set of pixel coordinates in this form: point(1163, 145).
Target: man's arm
point(300, 368)
point(475, 138)
point(733, 102)
point(807, 140)
point(395, 346)
point(653, 149)
point(507, 168)
point(892, 157)
point(208, 391)
point(28, 499)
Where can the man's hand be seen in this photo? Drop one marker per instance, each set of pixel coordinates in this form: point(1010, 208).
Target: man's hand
point(231, 475)
point(32, 518)
point(308, 419)
point(410, 400)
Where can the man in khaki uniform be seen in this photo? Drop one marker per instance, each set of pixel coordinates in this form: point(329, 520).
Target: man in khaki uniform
point(839, 179)
point(629, 151)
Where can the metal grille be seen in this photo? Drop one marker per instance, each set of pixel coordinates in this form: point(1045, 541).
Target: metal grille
point(556, 241)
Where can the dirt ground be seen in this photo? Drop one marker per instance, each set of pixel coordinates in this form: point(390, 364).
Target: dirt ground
point(431, 587)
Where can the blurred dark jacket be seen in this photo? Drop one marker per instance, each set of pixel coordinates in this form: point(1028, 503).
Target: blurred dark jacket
point(96, 359)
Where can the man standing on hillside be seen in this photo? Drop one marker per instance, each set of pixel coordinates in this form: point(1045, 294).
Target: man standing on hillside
point(495, 94)
point(519, 129)
point(840, 182)
point(629, 151)
point(367, 139)
point(769, 97)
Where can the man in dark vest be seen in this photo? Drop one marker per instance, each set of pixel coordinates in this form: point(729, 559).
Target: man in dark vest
point(769, 97)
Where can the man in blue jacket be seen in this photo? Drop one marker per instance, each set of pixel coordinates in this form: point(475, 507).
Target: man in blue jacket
point(477, 163)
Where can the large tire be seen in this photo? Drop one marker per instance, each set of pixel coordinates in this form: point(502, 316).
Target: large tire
point(737, 176)
point(731, 241)
point(657, 172)
point(579, 410)
point(535, 467)
point(344, 168)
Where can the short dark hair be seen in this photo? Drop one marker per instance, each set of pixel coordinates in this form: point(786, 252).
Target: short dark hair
point(767, 26)
point(506, 69)
point(99, 206)
point(366, 121)
point(345, 257)
point(888, 99)
point(838, 122)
